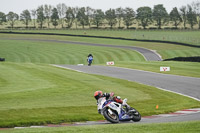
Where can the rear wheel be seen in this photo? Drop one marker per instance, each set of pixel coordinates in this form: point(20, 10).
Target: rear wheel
point(111, 117)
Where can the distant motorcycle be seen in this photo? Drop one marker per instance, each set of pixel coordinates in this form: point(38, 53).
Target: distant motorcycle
point(115, 112)
point(90, 59)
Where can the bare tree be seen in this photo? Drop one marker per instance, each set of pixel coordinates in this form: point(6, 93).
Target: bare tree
point(90, 14)
point(48, 13)
point(183, 10)
point(119, 14)
point(62, 8)
point(75, 10)
point(196, 7)
point(34, 13)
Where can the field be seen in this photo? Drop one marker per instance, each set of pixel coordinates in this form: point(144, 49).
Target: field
point(32, 92)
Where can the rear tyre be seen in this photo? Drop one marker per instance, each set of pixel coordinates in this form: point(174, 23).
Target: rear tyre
point(111, 117)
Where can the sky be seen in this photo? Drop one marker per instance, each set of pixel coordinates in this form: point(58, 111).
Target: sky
point(18, 6)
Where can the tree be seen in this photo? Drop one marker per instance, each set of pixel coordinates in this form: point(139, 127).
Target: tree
point(111, 17)
point(40, 16)
point(54, 17)
point(47, 13)
point(183, 10)
point(119, 14)
point(191, 16)
point(82, 17)
point(90, 14)
point(25, 16)
point(2, 18)
point(175, 17)
point(196, 8)
point(12, 17)
point(75, 11)
point(98, 17)
point(62, 8)
point(34, 13)
point(128, 17)
point(70, 17)
point(160, 15)
point(144, 15)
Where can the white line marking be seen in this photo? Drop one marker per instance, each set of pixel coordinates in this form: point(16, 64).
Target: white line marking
point(186, 112)
point(67, 68)
point(179, 93)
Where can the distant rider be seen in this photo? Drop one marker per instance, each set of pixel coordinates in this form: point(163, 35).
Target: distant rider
point(90, 59)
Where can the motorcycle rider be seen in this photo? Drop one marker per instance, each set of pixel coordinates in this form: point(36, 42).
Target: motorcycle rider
point(100, 94)
point(89, 59)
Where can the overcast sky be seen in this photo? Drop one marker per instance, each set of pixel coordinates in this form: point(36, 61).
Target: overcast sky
point(18, 6)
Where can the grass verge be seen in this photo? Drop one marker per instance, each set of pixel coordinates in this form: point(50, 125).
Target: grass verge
point(32, 94)
point(180, 127)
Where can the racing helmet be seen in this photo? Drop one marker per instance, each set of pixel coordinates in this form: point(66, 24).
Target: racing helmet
point(98, 94)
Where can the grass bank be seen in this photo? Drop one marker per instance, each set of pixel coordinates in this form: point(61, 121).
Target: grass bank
point(165, 50)
point(184, 36)
point(35, 94)
point(181, 127)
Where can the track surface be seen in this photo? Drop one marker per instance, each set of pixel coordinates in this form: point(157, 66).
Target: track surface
point(180, 84)
point(149, 55)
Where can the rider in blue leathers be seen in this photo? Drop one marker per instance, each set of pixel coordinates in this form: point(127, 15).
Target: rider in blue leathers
point(90, 59)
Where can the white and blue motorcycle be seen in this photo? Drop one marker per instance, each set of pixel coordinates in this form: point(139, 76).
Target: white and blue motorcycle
point(116, 112)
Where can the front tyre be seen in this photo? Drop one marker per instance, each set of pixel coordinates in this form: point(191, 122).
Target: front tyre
point(136, 116)
point(111, 117)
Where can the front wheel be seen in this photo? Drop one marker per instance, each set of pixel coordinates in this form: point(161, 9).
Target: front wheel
point(111, 117)
point(136, 116)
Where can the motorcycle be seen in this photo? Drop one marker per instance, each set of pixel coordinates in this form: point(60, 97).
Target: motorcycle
point(116, 112)
point(90, 59)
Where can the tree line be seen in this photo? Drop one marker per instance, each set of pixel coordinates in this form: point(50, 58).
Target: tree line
point(87, 16)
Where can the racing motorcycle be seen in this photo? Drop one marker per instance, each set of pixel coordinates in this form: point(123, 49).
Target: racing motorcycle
point(116, 112)
point(90, 59)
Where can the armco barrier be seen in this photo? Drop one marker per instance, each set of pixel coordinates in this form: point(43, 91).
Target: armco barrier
point(104, 37)
point(190, 59)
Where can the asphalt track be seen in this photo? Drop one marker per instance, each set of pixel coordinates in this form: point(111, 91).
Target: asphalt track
point(149, 55)
point(183, 85)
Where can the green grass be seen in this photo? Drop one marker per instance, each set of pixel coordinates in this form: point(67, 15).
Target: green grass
point(165, 50)
point(191, 69)
point(185, 36)
point(181, 127)
point(60, 53)
point(34, 94)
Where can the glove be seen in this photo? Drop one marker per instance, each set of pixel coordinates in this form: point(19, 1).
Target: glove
point(112, 94)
